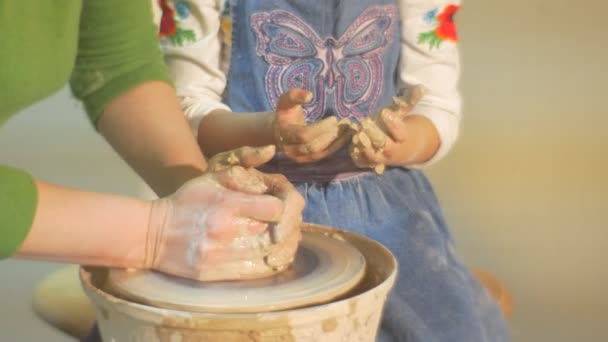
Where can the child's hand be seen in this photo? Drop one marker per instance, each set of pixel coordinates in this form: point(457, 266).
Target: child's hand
point(306, 143)
point(380, 139)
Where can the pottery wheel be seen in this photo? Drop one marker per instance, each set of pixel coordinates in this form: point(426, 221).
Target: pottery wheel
point(324, 268)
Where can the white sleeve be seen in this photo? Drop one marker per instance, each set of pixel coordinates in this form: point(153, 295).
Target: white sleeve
point(193, 57)
point(430, 57)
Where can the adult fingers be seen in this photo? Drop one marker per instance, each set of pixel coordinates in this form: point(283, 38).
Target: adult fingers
point(224, 227)
point(239, 179)
point(293, 202)
point(265, 208)
point(283, 254)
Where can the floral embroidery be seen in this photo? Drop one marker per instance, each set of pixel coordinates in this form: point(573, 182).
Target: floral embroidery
point(429, 17)
point(445, 27)
point(175, 12)
point(183, 10)
point(226, 23)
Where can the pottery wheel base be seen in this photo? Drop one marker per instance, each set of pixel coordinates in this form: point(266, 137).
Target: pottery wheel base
point(324, 268)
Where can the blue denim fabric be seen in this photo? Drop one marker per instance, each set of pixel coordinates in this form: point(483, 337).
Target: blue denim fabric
point(435, 298)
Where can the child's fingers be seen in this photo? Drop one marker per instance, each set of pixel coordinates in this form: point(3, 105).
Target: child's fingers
point(334, 137)
point(322, 141)
point(322, 148)
point(342, 139)
point(377, 137)
point(295, 96)
point(409, 100)
point(416, 94)
point(394, 125)
point(302, 134)
point(361, 156)
point(355, 155)
point(289, 106)
point(372, 156)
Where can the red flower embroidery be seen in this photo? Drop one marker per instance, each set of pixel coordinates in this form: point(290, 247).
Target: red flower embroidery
point(168, 26)
point(447, 27)
point(174, 12)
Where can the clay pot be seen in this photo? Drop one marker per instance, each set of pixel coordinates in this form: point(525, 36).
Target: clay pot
point(353, 317)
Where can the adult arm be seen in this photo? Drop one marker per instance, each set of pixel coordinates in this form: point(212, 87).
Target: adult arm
point(121, 77)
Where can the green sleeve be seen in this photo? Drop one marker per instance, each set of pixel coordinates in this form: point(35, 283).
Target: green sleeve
point(18, 199)
point(118, 49)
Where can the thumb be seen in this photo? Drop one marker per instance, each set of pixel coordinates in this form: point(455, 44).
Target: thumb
point(244, 156)
point(289, 106)
point(255, 156)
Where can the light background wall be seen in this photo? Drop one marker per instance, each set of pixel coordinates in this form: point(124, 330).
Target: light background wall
point(525, 189)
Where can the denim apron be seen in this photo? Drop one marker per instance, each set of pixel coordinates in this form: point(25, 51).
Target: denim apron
point(347, 53)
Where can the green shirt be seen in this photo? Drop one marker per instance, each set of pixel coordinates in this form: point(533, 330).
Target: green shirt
point(103, 47)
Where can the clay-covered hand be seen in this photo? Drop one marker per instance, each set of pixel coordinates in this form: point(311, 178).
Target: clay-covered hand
point(233, 222)
point(380, 139)
point(306, 143)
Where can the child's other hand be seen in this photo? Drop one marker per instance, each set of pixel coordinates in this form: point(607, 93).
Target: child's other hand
point(381, 139)
point(306, 143)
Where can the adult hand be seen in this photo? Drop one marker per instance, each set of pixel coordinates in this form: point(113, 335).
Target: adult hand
point(233, 222)
point(306, 143)
point(381, 138)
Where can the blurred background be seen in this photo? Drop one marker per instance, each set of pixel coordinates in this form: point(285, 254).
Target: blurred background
point(525, 189)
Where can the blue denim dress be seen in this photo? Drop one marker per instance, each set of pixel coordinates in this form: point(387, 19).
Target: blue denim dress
point(346, 53)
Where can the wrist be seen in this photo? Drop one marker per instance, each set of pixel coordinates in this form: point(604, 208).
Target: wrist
point(157, 220)
point(265, 124)
point(422, 140)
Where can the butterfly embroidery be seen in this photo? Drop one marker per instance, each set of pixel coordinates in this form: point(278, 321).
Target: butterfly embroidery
point(345, 75)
